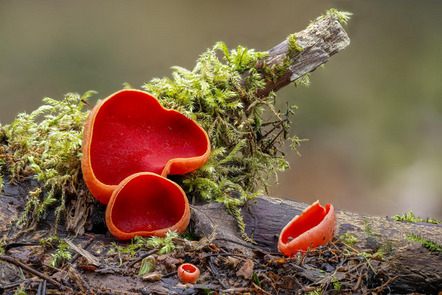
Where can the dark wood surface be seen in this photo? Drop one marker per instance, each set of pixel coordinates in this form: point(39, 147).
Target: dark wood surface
point(416, 268)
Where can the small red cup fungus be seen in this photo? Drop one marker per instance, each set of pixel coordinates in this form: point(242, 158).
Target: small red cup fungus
point(130, 132)
point(147, 204)
point(314, 227)
point(188, 273)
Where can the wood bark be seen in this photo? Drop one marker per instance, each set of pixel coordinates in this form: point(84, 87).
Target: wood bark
point(417, 269)
point(319, 42)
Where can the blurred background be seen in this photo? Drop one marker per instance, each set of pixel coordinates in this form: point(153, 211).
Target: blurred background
point(373, 115)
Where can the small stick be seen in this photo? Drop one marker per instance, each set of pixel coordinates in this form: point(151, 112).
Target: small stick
point(40, 287)
point(380, 288)
point(260, 289)
point(142, 257)
point(14, 284)
point(167, 275)
point(77, 255)
point(215, 272)
point(31, 270)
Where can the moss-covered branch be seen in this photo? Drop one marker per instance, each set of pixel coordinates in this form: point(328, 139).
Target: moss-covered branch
point(232, 98)
point(301, 53)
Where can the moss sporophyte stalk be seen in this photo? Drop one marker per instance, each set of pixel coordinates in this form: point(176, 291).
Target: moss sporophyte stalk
point(245, 130)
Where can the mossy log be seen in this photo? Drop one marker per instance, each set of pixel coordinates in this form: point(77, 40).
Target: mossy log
point(411, 267)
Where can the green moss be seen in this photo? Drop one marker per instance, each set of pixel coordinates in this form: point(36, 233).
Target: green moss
point(46, 144)
point(342, 16)
point(294, 47)
point(430, 245)
point(21, 291)
point(165, 244)
point(367, 227)
point(336, 284)
point(348, 239)
point(61, 255)
point(244, 153)
point(246, 131)
point(410, 217)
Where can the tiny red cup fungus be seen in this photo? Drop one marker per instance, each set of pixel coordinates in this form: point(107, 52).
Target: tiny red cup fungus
point(130, 132)
point(314, 227)
point(147, 204)
point(188, 273)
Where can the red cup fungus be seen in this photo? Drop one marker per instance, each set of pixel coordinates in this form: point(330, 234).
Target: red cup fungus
point(314, 227)
point(188, 273)
point(130, 132)
point(147, 204)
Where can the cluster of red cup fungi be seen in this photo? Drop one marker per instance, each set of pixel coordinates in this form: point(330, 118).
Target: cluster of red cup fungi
point(131, 144)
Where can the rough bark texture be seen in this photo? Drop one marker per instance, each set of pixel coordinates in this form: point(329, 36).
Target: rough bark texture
point(318, 42)
point(418, 269)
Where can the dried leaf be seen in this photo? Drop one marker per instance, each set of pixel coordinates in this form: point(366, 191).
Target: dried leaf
point(151, 277)
point(231, 261)
point(246, 270)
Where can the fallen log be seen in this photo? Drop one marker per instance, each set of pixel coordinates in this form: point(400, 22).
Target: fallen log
point(416, 268)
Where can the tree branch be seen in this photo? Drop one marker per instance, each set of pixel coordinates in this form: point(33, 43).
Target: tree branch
point(319, 42)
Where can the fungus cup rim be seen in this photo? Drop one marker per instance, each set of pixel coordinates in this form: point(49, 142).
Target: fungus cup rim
point(178, 227)
point(102, 191)
point(319, 233)
point(188, 276)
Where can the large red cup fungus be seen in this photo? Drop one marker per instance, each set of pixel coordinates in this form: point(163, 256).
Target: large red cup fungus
point(147, 204)
point(130, 132)
point(314, 227)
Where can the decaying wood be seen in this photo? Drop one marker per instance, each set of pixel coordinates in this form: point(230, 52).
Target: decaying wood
point(318, 42)
point(417, 269)
point(413, 267)
point(409, 266)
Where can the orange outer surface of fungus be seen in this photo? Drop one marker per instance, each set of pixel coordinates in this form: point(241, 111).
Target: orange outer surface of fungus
point(188, 273)
point(314, 227)
point(130, 132)
point(147, 204)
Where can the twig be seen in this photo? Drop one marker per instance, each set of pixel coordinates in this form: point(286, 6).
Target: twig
point(33, 271)
point(42, 288)
point(77, 254)
point(13, 285)
point(143, 256)
point(91, 259)
point(238, 290)
point(215, 272)
point(380, 288)
point(260, 289)
point(318, 42)
point(167, 275)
